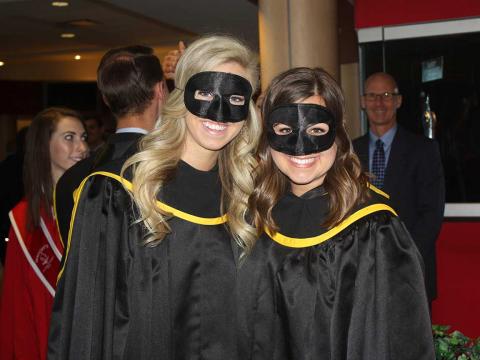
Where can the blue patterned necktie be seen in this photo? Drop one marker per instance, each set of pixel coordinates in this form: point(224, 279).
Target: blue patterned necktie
point(378, 164)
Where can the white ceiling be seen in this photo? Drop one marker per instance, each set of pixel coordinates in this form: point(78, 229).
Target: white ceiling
point(30, 30)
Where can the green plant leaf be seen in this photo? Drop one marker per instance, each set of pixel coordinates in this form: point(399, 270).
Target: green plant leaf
point(453, 345)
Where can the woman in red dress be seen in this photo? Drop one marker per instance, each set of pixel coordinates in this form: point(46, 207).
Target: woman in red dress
point(56, 140)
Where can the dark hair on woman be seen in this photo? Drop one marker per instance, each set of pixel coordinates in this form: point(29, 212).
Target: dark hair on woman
point(37, 170)
point(127, 77)
point(344, 182)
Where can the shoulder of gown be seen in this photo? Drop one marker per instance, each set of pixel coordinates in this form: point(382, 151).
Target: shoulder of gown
point(105, 238)
point(358, 294)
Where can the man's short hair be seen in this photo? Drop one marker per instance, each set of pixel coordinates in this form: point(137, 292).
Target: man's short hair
point(126, 78)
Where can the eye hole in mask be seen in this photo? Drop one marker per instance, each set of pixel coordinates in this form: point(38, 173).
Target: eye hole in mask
point(319, 129)
point(205, 95)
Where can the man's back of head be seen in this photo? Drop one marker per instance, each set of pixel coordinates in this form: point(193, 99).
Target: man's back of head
point(127, 78)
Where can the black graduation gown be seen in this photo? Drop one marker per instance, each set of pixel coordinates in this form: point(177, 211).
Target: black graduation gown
point(353, 292)
point(119, 299)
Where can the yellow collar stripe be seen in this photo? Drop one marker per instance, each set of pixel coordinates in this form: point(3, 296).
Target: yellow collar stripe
point(76, 195)
point(378, 191)
point(311, 241)
point(129, 186)
point(168, 209)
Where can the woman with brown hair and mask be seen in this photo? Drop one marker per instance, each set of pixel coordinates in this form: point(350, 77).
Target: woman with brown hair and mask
point(335, 275)
point(55, 141)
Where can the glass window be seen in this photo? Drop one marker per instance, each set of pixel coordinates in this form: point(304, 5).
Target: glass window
point(447, 70)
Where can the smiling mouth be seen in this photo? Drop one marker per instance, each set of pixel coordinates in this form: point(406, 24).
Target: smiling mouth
point(302, 162)
point(214, 126)
point(76, 159)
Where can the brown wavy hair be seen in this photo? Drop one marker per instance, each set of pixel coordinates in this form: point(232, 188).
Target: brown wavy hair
point(345, 182)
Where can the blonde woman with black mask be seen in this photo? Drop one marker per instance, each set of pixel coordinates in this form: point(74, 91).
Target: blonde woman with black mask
point(151, 266)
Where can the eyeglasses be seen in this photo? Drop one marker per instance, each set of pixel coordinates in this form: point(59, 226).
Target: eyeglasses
point(386, 96)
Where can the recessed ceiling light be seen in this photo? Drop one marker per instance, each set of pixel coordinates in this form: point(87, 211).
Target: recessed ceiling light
point(77, 57)
point(81, 23)
point(2, 63)
point(67, 35)
point(60, 3)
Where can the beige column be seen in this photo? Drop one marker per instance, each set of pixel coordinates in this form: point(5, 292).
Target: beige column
point(297, 33)
point(273, 38)
point(349, 83)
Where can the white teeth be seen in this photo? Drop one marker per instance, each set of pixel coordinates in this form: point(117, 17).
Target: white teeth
point(214, 126)
point(302, 161)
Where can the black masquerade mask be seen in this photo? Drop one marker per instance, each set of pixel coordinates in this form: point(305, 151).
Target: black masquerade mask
point(295, 135)
point(218, 96)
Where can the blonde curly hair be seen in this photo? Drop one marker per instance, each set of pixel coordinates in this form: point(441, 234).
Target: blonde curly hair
point(161, 150)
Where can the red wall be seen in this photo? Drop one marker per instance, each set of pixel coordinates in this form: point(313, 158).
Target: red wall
point(458, 278)
point(370, 13)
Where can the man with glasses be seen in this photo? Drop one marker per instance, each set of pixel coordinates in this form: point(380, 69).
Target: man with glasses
point(404, 165)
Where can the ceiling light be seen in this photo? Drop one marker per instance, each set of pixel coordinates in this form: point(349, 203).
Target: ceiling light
point(2, 63)
point(60, 3)
point(81, 23)
point(67, 35)
point(77, 57)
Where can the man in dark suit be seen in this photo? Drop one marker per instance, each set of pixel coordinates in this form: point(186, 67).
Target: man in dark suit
point(406, 166)
point(131, 82)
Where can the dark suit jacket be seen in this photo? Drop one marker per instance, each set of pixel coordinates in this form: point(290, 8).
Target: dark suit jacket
point(415, 182)
point(119, 147)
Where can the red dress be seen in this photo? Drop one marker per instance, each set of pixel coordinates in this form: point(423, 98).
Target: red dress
point(31, 268)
